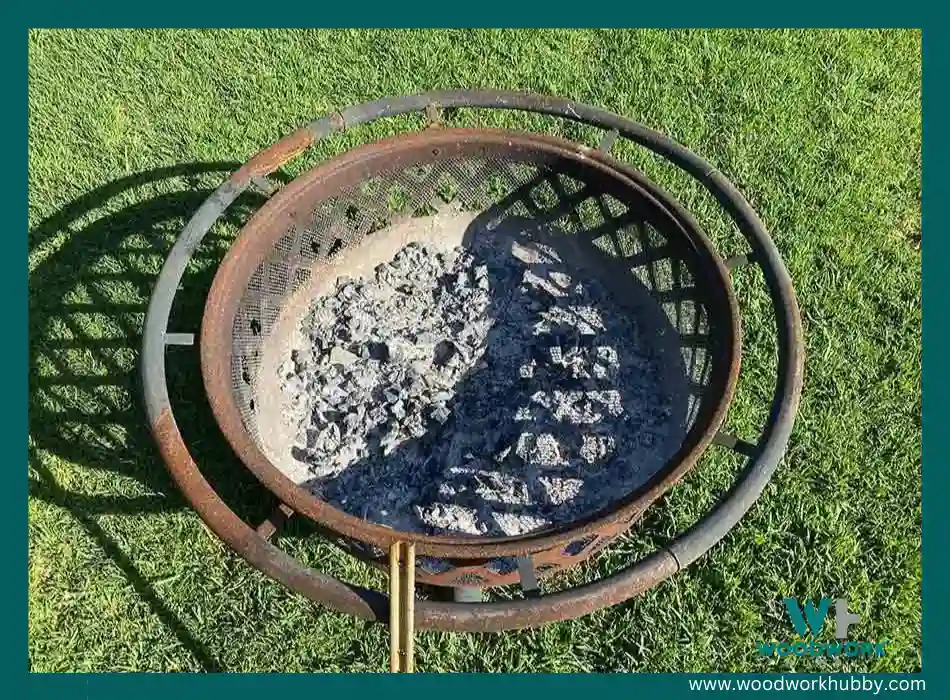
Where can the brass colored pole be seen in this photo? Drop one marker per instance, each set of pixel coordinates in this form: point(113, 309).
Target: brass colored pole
point(395, 661)
point(402, 583)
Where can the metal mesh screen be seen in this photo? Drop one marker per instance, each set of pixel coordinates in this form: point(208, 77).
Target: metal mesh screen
point(496, 188)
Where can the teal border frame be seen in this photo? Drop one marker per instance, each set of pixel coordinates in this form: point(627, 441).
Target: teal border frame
point(13, 287)
point(935, 609)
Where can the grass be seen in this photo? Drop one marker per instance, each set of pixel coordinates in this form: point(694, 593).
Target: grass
point(130, 129)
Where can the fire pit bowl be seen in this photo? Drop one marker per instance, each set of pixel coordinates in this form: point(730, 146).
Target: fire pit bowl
point(527, 207)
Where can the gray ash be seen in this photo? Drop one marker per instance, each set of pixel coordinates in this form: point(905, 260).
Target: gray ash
point(472, 392)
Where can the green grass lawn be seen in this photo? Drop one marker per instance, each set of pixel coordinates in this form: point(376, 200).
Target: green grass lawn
point(129, 131)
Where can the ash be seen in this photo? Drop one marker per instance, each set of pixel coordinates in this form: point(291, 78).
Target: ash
point(473, 392)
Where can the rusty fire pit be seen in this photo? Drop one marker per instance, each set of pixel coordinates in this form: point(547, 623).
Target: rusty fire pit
point(450, 187)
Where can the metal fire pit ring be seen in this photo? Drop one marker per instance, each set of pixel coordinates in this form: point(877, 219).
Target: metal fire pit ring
point(763, 455)
point(243, 290)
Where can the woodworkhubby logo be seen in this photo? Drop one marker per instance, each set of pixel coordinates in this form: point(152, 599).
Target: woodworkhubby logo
point(809, 619)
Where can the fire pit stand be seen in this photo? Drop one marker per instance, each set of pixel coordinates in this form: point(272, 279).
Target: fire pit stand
point(276, 254)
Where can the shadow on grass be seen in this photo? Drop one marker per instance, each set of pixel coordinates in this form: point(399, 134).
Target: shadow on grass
point(93, 267)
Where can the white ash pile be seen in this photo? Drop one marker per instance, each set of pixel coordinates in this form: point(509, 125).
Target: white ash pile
point(471, 392)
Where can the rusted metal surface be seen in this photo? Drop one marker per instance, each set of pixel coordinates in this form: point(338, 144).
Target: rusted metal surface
point(495, 571)
point(564, 605)
point(484, 617)
point(285, 150)
point(549, 547)
point(372, 605)
point(268, 160)
point(274, 522)
point(248, 543)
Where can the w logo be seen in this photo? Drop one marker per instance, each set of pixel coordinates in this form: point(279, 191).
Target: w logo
point(813, 617)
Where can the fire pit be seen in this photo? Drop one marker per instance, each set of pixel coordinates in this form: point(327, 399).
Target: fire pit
point(496, 346)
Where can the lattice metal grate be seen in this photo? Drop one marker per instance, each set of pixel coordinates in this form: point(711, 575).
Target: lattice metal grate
point(494, 186)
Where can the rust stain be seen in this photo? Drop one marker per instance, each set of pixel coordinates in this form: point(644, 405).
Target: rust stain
point(268, 160)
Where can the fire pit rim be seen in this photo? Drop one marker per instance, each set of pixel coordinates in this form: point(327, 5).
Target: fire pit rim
point(763, 454)
point(260, 234)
